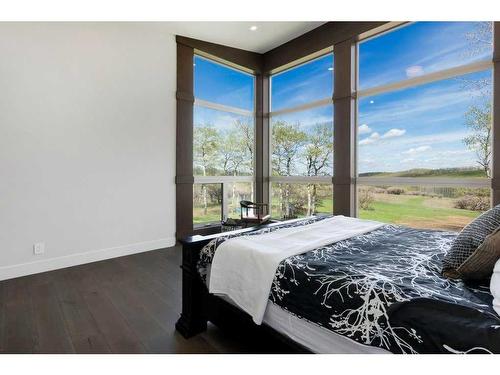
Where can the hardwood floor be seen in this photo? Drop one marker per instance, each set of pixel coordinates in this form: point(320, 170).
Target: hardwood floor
point(122, 305)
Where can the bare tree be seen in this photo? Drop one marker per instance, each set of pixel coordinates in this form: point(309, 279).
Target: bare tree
point(479, 40)
point(318, 159)
point(205, 147)
point(288, 140)
point(478, 117)
point(246, 131)
point(478, 120)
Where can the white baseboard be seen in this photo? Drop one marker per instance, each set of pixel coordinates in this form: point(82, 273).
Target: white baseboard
point(17, 270)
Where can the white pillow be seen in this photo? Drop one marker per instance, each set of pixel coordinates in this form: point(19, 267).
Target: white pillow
point(495, 287)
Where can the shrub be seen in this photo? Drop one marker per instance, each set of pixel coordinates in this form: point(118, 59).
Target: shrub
point(473, 203)
point(395, 190)
point(366, 199)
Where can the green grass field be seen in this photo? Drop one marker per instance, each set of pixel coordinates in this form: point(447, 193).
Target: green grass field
point(414, 211)
point(410, 210)
point(444, 172)
point(418, 211)
point(212, 216)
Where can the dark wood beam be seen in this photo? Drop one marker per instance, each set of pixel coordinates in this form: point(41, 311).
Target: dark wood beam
point(344, 135)
point(262, 138)
point(315, 40)
point(246, 59)
point(496, 116)
point(184, 141)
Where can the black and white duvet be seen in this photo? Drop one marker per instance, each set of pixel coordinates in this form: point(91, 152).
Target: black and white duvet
point(383, 289)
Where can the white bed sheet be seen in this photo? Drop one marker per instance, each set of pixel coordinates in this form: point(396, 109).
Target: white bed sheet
point(312, 336)
point(243, 268)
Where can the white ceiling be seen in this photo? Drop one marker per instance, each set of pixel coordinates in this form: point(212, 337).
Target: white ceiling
point(237, 34)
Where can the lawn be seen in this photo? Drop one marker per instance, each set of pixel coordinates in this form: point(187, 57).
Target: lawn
point(413, 211)
point(212, 216)
point(418, 212)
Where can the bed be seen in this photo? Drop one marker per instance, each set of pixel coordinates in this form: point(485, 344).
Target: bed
point(375, 290)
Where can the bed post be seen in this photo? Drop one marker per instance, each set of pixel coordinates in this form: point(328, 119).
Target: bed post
point(193, 318)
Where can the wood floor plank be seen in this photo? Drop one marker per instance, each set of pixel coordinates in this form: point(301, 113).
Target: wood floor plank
point(161, 307)
point(150, 332)
point(2, 318)
point(21, 334)
point(152, 287)
point(51, 329)
point(115, 329)
point(122, 305)
point(82, 328)
point(167, 282)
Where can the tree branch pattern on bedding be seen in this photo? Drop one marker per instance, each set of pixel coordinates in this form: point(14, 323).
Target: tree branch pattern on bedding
point(385, 289)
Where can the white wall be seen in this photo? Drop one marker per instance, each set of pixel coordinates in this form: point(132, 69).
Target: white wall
point(87, 142)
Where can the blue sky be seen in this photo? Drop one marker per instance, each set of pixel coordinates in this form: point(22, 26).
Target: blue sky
point(423, 126)
point(219, 84)
point(420, 127)
point(303, 84)
point(417, 49)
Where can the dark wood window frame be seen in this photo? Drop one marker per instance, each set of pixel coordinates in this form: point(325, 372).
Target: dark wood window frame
point(343, 36)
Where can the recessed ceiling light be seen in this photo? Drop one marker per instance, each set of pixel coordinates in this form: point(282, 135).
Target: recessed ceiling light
point(253, 28)
point(330, 68)
point(371, 102)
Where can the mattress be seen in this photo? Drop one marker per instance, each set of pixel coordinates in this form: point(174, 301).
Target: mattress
point(312, 336)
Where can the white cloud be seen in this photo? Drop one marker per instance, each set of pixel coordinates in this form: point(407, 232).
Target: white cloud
point(374, 137)
point(394, 133)
point(414, 71)
point(364, 129)
point(417, 150)
point(371, 139)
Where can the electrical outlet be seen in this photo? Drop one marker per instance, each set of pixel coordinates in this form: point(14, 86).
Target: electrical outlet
point(38, 248)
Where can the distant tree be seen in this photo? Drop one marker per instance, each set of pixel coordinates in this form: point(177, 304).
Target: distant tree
point(319, 149)
point(231, 152)
point(317, 155)
point(246, 132)
point(479, 40)
point(205, 146)
point(478, 120)
point(478, 117)
point(205, 149)
point(287, 141)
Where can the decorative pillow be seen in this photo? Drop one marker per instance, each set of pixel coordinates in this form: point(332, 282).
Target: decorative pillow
point(495, 287)
point(469, 239)
point(479, 265)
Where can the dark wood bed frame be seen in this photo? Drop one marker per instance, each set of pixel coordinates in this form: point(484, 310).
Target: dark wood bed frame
point(200, 307)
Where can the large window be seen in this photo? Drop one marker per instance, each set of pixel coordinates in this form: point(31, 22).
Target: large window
point(223, 140)
point(424, 124)
point(301, 148)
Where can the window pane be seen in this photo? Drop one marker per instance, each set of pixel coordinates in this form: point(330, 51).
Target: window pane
point(302, 143)
point(446, 208)
point(306, 83)
point(207, 203)
point(237, 192)
point(222, 85)
point(422, 48)
point(298, 200)
point(223, 143)
point(441, 129)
